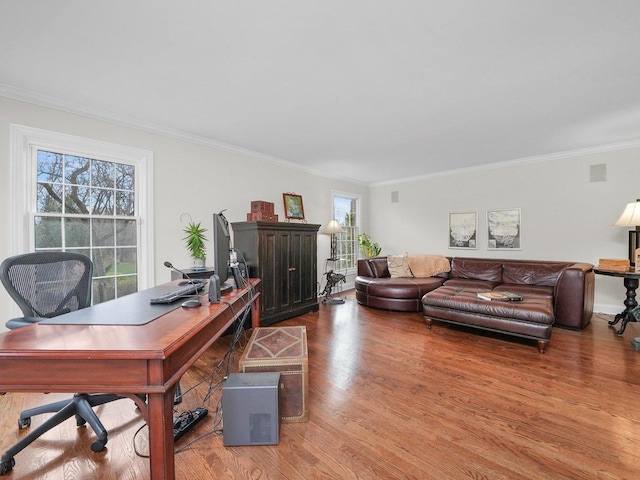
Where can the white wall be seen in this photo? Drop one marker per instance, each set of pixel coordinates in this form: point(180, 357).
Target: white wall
point(189, 178)
point(565, 216)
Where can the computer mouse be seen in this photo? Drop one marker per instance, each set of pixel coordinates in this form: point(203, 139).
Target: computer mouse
point(191, 303)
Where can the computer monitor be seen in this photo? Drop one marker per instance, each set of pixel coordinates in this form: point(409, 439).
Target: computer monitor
point(221, 247)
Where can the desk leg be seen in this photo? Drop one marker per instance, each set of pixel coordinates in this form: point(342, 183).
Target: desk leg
point(255, 312)
point(161, 459)
point(630, 302)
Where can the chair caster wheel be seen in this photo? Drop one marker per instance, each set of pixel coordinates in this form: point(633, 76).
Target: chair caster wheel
point(24, 422)
point(98, 445)
point(6, 466)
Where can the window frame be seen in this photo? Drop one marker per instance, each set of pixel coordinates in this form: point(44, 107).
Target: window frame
point(23, 174)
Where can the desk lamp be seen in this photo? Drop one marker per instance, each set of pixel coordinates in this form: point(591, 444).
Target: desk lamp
point(631, 218)
point(332, 228)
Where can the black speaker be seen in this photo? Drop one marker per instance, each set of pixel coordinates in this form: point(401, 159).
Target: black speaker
point(250, 414)
point(237, 276)
point(214, 289)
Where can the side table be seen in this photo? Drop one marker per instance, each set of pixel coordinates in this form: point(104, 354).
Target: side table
point(631, 280)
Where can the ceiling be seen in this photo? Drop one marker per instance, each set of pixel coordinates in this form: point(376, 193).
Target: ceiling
point(367, 90)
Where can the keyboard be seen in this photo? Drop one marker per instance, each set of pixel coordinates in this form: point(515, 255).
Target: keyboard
point(178, 293)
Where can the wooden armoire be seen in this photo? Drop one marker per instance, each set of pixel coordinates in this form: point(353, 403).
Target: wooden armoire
point(284, 256)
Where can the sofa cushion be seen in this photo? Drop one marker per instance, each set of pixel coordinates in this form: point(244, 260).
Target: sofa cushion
point(526, 290)
point(399, 266)
point(477, 269)
point(471, 284)
point(532, 273)
point(428, 265)
point(379, 267)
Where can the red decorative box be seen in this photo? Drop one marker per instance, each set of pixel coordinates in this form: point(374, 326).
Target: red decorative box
point(260, 206)
point(260, 216)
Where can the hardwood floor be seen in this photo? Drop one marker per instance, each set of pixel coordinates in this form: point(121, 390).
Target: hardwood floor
point(390, 399)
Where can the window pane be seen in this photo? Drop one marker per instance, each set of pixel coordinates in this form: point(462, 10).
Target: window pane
point(76, 231)
point(48, 232)
point(126, 232)
point(126, 261)
point(103, 174)
point(125, 176)
point(76, 170)
point(76, 199)
point(104, 262)
point(127, 285)
point(125, 203)
point(49, 198)
point(104, 289)
point(102, 231)
point(101, 201)
point(49, 167)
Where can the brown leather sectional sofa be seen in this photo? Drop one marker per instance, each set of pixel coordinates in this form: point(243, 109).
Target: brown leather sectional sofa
point(555, 294)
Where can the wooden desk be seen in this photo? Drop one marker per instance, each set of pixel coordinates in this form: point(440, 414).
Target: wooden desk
point(127, 359)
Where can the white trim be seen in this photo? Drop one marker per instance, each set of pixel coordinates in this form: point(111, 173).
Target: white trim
point(22, 171)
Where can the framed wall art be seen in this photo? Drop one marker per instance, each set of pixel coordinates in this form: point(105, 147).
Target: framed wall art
point(504, 229)
point(293, 208)
point(463, 230)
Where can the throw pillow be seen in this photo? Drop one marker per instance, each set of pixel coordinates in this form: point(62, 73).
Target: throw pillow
point(399, 266)
point(428, 265)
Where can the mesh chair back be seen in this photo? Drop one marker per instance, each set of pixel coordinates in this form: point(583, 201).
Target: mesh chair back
point(47, 284)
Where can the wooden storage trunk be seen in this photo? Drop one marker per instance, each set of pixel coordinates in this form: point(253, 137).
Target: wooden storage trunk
point(284, 350)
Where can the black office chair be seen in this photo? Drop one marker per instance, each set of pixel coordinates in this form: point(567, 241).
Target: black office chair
point(45, 285)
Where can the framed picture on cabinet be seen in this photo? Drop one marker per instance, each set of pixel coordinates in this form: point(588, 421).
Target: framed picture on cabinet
point(293, 207)
point(504, 229)
point(463, 230)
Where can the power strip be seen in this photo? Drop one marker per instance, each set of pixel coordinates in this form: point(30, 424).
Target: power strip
point(187, 420)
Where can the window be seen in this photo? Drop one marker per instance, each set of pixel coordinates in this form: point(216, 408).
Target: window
point(88, 197)
point(346, 210)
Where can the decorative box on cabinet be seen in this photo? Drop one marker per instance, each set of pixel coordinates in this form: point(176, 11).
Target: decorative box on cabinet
point(284, 256)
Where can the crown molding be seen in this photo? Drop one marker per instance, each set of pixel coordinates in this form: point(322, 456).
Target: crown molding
point(511, 163)
point(97, 114)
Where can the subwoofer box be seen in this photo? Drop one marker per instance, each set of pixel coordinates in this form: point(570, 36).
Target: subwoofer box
point(250, 409)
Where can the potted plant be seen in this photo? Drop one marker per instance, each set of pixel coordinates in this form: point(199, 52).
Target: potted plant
point(368, 247)
point(195, 240)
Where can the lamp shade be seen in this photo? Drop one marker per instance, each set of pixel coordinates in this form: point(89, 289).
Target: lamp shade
point(333, 227)
point(631, 215)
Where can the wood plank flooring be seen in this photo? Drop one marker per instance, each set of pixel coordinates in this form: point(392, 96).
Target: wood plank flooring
point(390, 399)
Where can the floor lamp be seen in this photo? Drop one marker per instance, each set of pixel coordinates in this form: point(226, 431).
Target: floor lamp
point(332, 229)
point(333, 278)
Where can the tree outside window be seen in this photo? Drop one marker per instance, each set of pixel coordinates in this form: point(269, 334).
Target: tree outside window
point(87, 205)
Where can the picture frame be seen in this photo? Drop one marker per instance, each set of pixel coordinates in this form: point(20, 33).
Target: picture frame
point(293, 207)
point(504, 229)
point(463, 230)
